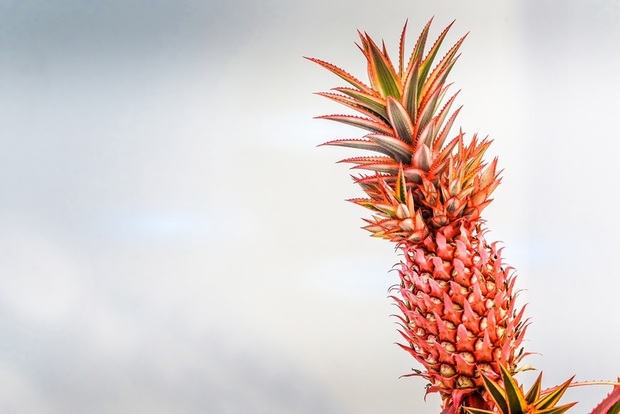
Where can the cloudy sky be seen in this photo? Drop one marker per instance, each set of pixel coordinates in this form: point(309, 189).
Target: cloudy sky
point(172, 241)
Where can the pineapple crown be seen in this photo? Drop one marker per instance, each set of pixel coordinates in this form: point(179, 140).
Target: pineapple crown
point(421, 179)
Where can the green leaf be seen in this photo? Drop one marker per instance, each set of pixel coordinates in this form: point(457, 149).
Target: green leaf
point(534, 392)
point(497, 394)
point(380, 70)
point(401, 51)
point(561, 409)
point(386, 209)
point(412, 75)
point(410, 90)
point(552, 398)
point(368, 101)
point(418, 50)
point(514, 394)
point(353, 104)
point(426, 64)
point(443, 68)
point(399, 119)
point(615, 409)
point(388, 60)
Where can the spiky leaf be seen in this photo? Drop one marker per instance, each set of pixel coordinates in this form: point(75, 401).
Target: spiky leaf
point(401, 186)
point(497, 393)
point(551, 399)
point(610, 404)
point(365, 123)
point(534, 392)
point(344, 75)
point(381, 72)
point(359, 144)
point(401, 151)
point(366, 100)
point(428, 61)
point(514, 394)
point(399, 119)
point(410, 90)
point(557, 410)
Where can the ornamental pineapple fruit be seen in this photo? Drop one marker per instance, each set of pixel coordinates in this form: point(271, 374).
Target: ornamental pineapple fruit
point(427, 190)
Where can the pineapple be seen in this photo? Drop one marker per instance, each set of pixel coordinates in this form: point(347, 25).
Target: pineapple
point(426, 190)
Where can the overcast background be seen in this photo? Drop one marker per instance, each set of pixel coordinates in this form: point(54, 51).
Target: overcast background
point(172, 241)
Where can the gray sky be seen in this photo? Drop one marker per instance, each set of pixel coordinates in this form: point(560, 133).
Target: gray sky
point(172, 241)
